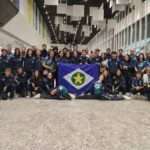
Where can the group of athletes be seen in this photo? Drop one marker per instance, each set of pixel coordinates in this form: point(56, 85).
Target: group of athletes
point(33, 72)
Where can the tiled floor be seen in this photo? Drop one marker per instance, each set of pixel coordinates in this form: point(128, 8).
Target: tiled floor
point(74, 125)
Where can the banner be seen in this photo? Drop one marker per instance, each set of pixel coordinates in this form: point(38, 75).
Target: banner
point(78, 79)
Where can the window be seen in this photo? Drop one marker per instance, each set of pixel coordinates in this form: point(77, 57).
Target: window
point(126, 36)
point(123, 38)
point(129, 35)
point(138, 31)
point(117, 41)
point(143, 28)
point(148, 26)
point(37, 19)
point(133, 33)
point(120, 40)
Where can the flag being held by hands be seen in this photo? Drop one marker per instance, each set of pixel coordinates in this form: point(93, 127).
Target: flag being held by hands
point(78, 79)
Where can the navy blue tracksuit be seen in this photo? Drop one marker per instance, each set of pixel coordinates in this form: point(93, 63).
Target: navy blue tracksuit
point(4, 63)
point(113, 65)
point(21, 84)
point(46, 86)
point(126, 68)
point(7, 87)
point(137, 83)
point(29, 66)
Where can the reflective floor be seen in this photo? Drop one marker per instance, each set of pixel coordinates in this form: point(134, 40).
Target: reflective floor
point(74, 125)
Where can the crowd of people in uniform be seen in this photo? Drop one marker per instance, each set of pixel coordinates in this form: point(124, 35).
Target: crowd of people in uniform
point(33, 71)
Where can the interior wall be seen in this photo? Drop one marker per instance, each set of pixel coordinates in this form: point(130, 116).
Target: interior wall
point(21, 29)
point(113, 36)
point(8, 40)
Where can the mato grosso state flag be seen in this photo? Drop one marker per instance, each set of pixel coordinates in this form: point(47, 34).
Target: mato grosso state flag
point(78, 79)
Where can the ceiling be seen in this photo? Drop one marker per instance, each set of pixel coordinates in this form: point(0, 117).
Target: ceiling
point(79, 36)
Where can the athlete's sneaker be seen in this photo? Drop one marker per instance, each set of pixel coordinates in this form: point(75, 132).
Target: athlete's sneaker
point(37, 96)
point(72, 96)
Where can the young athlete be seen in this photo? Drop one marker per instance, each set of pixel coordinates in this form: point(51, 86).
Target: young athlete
point(4, 61)
point(119, 84)
point(103, 87)
point(34, 84)
point(7, 85)
point(146, 81)
point(21, 83)
point(137, 84)
point(126, 69)
point(29, 63)
point(83, 58)
point(47, 86)
point(113, 64)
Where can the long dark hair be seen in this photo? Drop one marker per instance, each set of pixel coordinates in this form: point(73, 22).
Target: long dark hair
point(17, 52)
point(138, 58)
point(129, 58)
point(28, 51)
point(34, 75)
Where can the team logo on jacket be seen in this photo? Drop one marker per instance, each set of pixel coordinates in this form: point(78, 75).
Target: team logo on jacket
point(78, 78)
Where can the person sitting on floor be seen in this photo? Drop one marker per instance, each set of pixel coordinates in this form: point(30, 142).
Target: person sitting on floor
point(47, 87)
point(34, 84)
point(146, 81)
point(137, 84)
point(21, 83)
point(119, 83)
point(7, 85)
point(103, 86)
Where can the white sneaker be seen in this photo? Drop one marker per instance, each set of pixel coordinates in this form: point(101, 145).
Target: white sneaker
point(73, 97)
point(37, 96)
point(127, 97)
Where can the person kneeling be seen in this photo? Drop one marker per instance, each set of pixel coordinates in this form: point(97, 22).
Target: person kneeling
point(49, 91)
point(106, 89)
point(34, 84)
point(103, 87)
point(137, 84)
point(21, 83)
point(47, 87)
point(119, 84)
point(7, 85)
point(146, 80)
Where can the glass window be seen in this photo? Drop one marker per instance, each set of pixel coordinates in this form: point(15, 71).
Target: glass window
point(143, 28)
point(41, 23)
point(126, 36)
point(37, 19)
point(120, 40)
point(123, 38)
point(129, 35)
point(138, 31)
point(148, 26)
point(117, 41)
point(133, 33)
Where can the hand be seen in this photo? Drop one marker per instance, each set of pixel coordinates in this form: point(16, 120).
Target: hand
point(33, 85)
point(53, 92)
point(36, 88)
point(137, 88)
point(125, 67)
